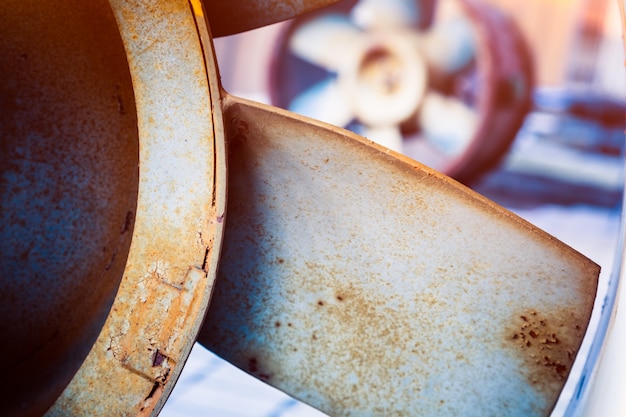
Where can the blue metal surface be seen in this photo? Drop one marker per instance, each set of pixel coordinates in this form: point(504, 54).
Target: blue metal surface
point(363, 283)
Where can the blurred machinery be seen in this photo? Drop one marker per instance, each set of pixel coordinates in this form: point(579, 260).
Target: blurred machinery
point(565, 70)
point(447, 83)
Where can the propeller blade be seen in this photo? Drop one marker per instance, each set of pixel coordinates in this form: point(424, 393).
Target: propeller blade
point(388, 136)
point(449, 46)
point(236, 16)
point(447, 123)
point(367, 284)
point(382, 14)
point(324, 41)
point(323, 101)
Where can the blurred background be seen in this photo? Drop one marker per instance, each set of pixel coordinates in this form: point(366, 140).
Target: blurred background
point(521, 101)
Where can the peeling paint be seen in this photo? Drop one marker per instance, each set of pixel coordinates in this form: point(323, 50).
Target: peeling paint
point(171, 265)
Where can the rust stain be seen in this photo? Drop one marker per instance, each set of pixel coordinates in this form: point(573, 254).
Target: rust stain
point(148, 405)
point(547, 344)
point(397, 285)
point(178, 222)
point(258, 368)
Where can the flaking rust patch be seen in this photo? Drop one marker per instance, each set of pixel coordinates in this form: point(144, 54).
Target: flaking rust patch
point(547, 345)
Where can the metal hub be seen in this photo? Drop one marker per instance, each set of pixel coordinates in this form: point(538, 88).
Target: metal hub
point(386, 82)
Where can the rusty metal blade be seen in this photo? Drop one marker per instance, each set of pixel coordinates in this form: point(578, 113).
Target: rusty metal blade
point(234, 16)
point(364, 283)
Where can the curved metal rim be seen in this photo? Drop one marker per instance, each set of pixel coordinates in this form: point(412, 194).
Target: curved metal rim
point(167, 283)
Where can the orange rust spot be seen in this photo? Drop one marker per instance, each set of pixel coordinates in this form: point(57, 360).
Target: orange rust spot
point(547, 345)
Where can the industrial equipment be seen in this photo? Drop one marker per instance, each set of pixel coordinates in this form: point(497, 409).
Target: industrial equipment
point(129, 175)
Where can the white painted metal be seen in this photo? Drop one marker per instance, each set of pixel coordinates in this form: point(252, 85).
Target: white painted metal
point(168, 278)
point(364, 283)
point(601, 390)
point(604, 393)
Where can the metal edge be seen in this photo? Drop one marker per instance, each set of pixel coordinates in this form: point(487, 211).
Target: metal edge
point(599, 389)
point(591, 389)
point(134, 364)
point(235, 16)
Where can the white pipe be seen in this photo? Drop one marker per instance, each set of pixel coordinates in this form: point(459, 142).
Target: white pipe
point(602, 390)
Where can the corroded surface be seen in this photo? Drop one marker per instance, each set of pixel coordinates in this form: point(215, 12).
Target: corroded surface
point(68, 186)
point(167, 282)
point(366, 284)
point(547, 344)
point(234, 16)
